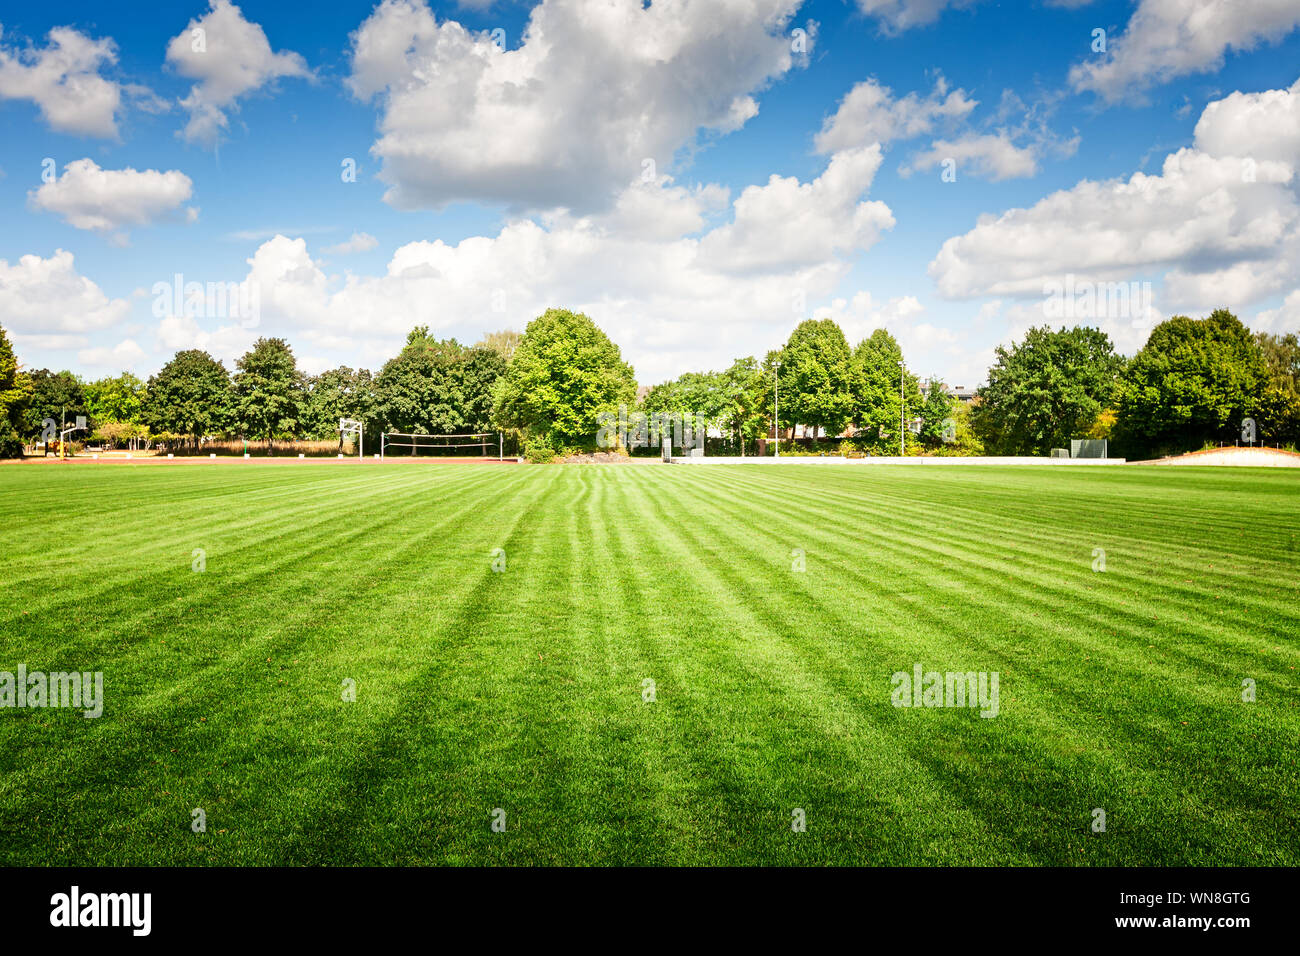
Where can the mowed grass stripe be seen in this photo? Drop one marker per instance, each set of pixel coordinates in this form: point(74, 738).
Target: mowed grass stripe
point(1042, 580)
point(522, 689)
point(273, 618)
point(828, 761)
point(1216, 711)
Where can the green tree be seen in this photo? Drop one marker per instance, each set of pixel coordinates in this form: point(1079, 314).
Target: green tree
point(1279, 407)
point(1193, 381)
point(333, 394)
point(938, 413)
point(745, 411)
point(15, 394)
point(1046, 390)
point(565, 372)
point(118, 398)
point(268, 392)
point(437, 387)
point(815, 377)
point(56, 395)
point(876, 374)
point(189, 396)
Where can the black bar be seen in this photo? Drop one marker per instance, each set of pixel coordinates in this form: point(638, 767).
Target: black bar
point(952, 907)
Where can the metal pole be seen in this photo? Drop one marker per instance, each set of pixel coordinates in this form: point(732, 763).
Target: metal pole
point(361, 434)
point(501, 456)
point(902, 414)
point(776, 409)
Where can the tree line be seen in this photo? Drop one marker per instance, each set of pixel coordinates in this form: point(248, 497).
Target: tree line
point(1192, 384)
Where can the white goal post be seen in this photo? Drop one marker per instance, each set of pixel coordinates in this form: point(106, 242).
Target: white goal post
point(479, 440)
point(352, 426)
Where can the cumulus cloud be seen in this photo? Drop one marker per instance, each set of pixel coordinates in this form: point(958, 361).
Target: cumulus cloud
point(787, 224)
point(1285, 318)
point(988, 155)
point(1220, 223)
point(870, 113)
point(461, 119)
point(88, 197)
point(896, 16)
point(673, 292)
point(225, 342)
point(1166, 39)
point(63, 80)
point(124, 355)
point(229, 57)
point(45, 296)
point(360, 242)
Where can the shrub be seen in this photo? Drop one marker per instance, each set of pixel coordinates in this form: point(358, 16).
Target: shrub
point(11, 446)
point(539, 450)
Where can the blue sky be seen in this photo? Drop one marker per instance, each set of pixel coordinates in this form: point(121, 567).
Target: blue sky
point(492, 183)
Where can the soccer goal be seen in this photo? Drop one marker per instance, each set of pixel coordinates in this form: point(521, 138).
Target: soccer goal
point(435, 446)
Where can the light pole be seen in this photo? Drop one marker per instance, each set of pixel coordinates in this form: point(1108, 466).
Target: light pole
point(776, 408)
point(902, 414)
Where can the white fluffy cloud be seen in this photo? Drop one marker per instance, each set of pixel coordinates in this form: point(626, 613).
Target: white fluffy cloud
point(360, 242)
point(44, 296)
point(787, 224)
point(229, 57)
point(869, 113)
point(126, 354)
point(1220, 222)
point(88, 197)
point(63, 80)
point(673, 293)
point(226, 342)
point(898, 15)
point(1165, 39)
point(990, 156)
point(1279, 321)
point(596, 91)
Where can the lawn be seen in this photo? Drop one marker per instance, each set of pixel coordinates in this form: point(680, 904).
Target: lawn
point(524, 689)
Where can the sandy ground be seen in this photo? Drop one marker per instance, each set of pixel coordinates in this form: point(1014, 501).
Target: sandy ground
point(1233, 456)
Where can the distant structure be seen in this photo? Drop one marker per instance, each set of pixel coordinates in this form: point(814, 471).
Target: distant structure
point(959, 392)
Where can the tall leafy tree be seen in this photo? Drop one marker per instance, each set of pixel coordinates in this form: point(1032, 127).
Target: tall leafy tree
point(1046, 390)
point(268, 392)
point(877, 377)
point(437, 387)
point(938, 409)
point(333, 394)
point(118, 398)
point(1194, 381)
point(815, 377)
point(189, 396)
point(15, 394)
point(745, 413)
point(1279, 407)
point(565, 372)
point(56, 395)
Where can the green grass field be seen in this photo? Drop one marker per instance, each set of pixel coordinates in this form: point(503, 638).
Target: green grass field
point(523, 689)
